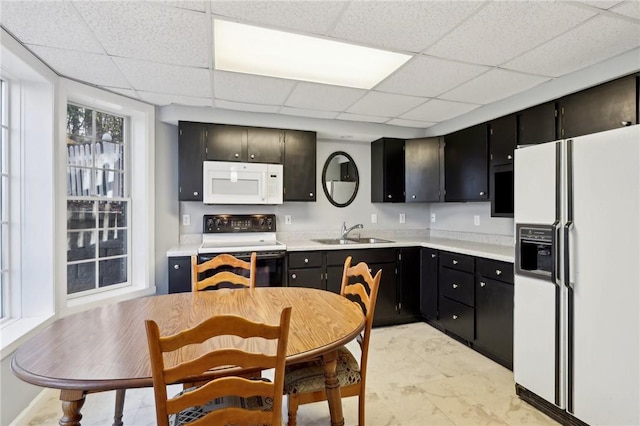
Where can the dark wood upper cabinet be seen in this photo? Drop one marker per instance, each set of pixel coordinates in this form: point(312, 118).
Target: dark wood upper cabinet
point(604, 107)
point(299, 166)
point(264, 145)
point(226, 143)
point(190, 156)
point(502, 139)
point(387, 170)
point(424, 170)
point(538, 124)
point(466, 157)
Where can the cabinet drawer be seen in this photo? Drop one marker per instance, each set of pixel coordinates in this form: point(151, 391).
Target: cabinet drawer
point(311, 259)
point(309, 277)
point(457, 318)
point(457, 261)
point(456, 285)
point(495, 269)
point(337, 257)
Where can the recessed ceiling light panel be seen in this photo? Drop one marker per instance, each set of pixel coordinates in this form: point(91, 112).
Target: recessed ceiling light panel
point(253, 50)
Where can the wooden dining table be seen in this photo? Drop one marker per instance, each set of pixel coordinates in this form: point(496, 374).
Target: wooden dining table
point(105, 348)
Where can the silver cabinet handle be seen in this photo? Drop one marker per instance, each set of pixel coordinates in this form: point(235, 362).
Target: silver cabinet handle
point(195, 193)
point(237, 155)
point(433, 256)
point(294, 276)
point(455, 317)
point(455, 286)
point(509, 157)
point(498, 272)
point(253, 156)
point(455, 262)
point(482, 284)
point(625, 123)
point(306, 260)
point(389, 196)
point(176, 266)
point(311, 194)
point(481, 192)
point(413, 196)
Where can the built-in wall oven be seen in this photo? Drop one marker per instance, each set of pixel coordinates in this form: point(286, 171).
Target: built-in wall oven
point(240, 235)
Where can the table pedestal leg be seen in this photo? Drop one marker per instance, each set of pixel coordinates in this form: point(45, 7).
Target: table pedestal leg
point(72, 402)
point(333, 388)
point(117, 416)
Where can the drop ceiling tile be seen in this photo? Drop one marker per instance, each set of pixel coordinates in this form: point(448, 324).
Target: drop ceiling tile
point(359, 117)
point(164, 78)
point(410, 123)
point(437, 110)
point(405, 25)
point(148, 31)
point(492, 86)
point(384, 104)
point(238, 106)
point(253, 89)
point(628, 8)
point(304, 16)
point(41, 23)
point(598, 39)
point(89, 67)
point(308, 113)
point(323, 96)
point(504, 30)
point(185, 4)
point(164, 99)
point(429, 77)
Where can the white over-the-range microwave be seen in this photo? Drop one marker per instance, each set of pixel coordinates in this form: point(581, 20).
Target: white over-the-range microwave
point(241, 183)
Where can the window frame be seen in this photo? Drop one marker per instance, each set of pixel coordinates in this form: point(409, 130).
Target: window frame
point(5, 214)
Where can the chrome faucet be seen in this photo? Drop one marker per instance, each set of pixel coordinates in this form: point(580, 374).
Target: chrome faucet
point(345, 231)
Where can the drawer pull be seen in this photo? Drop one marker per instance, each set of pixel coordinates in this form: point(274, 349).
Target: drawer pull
point(294, 276)
point(498, 272)
point(455, 317)
point(481, 192)
point(455, 286)
point(306, 260)
point(176, 266)
point(237, 155)
point(433, 256)
point(482, 284)
point(311, 194)
point(195, 193)
point(455, 262)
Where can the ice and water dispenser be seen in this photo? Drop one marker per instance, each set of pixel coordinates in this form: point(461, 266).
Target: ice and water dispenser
point(535, 251)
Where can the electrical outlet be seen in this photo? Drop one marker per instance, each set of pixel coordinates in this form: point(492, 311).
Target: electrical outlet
point(433, 218)
point(374, 218)
point(186, 220)
point(287, 219)
point(476, 220)
point(402, 218)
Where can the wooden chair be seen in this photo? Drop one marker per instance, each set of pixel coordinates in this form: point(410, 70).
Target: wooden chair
point(304, 383)
point(221, 400)
point(225, 276)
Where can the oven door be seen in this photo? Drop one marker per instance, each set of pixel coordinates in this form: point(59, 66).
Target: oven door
point(269, 267)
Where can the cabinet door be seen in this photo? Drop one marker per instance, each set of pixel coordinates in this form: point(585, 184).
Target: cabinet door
point(604, 107)
point(537, 124)
point(502, 140)
point(409, 283)
point(190, 157)
point(179, 274)
point(466, 164)
point(299, 166)
point(264, 145)
point(334, 278)
point(423, 170)
point(226, 143)
point(429, 283)
point(308, 277)
point(494, 318)
point(457, 318)
point(387, 302)
point(387, 170)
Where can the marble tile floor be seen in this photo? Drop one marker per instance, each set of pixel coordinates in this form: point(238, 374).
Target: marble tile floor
point(416, 376)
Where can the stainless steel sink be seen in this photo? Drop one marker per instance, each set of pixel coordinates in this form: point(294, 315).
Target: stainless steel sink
point(361, 240)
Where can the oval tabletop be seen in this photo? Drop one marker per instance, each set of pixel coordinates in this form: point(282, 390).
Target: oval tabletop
point(105, 348)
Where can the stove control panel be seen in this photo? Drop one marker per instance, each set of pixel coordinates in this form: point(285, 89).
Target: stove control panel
point(232, 223)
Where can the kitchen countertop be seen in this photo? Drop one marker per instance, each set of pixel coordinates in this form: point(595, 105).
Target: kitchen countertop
point(500, 252)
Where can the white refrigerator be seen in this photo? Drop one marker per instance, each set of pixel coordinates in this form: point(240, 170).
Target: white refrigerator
point(577, 277)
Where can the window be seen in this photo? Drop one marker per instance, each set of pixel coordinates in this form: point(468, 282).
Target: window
point(4, 203)
point(97, 201)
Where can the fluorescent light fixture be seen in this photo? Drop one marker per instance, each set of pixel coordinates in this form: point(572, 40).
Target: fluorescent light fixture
point(253, 50)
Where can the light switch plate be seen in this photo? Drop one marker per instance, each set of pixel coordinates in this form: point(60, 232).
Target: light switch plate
point(403, 218)
point(476, 220)
point(374, 218)
point(433, 218)
point(287, 219)
point(186, 220)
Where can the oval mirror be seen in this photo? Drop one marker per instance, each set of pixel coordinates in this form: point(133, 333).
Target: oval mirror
point(340, 179)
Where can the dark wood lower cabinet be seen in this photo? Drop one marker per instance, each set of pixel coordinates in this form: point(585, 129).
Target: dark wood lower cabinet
point(457, 318)
point(179, 274)
point(429, 283)
point(494, 319)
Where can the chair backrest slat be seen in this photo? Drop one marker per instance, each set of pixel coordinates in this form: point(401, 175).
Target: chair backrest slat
point(226, 261)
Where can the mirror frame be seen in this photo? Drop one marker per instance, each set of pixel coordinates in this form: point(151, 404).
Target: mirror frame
point(324, 178)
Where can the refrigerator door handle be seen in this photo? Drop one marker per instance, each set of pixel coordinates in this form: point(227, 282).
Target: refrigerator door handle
point(567, 255)
point(555, 269)
point(569, 224)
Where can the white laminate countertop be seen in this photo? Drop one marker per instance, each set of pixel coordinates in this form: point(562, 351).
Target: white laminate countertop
point(505, 253)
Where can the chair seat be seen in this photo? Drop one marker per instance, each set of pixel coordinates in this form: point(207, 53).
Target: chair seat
point(309, 376)
point(194, 413)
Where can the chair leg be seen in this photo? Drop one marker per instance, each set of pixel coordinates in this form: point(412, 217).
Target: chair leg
point(117, 417)
point(292, 409)
point(361, 398)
